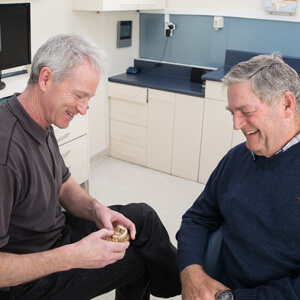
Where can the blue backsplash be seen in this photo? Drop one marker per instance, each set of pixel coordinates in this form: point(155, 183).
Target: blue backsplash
point(196, 42)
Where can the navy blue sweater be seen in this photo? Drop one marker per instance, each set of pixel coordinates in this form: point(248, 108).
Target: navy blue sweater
point(258, 204)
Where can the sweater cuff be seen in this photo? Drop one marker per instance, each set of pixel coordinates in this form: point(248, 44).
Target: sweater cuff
point(244, 294)
point(191, 257)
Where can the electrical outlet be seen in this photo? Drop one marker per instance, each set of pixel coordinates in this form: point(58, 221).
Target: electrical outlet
point(169, 28)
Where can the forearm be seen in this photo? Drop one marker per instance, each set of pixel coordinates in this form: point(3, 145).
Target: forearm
point(17, 269)
point(77, 201)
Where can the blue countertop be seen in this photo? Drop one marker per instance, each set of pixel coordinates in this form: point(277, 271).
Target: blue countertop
point(177, 78)
point(160, 76)
point(161, 82)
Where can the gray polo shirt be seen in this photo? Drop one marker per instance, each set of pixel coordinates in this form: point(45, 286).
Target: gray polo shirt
point(31, 174)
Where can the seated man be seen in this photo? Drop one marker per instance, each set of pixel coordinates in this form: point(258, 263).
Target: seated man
point(48, 254)
point(253, 193)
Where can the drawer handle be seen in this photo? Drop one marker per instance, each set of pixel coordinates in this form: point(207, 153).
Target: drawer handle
point(129, 135)
point(162, 100)
point(127, 154)
point(66, 154)
point(63, 137)
point(129, 113)
point(125, 94)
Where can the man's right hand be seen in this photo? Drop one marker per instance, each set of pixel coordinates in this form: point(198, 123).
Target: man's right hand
point(197, 285)
point(94, 251)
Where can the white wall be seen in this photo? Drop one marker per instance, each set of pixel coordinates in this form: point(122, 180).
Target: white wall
point(214, 5)
point(235, 8)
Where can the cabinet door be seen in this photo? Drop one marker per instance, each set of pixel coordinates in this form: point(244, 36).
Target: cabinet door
point(187, 136)
point(216, 136)
point(160, 130)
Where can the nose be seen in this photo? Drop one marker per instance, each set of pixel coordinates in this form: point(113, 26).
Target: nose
point(238, 120)
point(82, 107)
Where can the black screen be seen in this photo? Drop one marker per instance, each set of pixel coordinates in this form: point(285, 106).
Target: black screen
point(15, 40)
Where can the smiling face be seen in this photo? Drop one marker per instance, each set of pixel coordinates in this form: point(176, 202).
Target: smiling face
point(61, 102)
point(267, 129)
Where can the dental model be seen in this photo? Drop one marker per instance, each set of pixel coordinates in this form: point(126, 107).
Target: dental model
point(120, 235)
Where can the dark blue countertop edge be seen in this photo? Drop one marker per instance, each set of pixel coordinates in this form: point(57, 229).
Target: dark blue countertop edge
point(161, 82)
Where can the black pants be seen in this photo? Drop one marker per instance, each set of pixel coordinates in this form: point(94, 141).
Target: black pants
point(149, 266)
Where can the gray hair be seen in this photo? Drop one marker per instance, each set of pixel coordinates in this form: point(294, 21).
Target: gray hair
point(269, 76)
point(63, 52)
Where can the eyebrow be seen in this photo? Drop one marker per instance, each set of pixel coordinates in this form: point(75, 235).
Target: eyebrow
point(239, 108)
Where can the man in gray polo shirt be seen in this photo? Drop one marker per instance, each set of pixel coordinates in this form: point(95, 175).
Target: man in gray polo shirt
point(48, 254)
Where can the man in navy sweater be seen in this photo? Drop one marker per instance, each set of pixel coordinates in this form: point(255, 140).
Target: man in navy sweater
point(254, 193)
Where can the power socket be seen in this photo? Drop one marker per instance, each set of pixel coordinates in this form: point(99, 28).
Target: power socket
point(169, 28)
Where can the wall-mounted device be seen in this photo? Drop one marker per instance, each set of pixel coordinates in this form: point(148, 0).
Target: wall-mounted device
point(124, 36)
point(218, 22)
point(280, 6)
point(169, 28)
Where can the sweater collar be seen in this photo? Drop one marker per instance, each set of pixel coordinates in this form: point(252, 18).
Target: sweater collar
point(292, 142)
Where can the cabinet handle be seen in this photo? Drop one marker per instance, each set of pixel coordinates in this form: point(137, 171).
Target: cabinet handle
point(129, 135)
point(127, 154)
point(129, 113)
point(63, 137)
point(66, 154)
point(162, 100)
point(126, 95)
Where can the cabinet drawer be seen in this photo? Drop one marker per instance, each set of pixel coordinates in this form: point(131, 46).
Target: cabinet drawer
point(129, 112)
point(128, 133)
point(215, 90)
point(75, 155)
point(127, 92)
point(131, 153)
point(77, 128)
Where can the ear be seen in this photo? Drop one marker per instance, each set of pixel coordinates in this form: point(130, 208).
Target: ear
point(45, 78)
point(289, 104)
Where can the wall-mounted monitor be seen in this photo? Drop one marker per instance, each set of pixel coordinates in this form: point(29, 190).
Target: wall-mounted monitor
point(15, 36)
point(124, 36)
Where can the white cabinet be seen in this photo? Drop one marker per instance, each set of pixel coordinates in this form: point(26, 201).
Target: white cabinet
point(117, 5)
point(160, 130)
point(187, 136)
point(218, 135)
point(128, 123)
point(157, 129)
point(73, 145)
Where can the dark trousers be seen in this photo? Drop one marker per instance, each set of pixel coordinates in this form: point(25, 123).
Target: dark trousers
point(149, 266)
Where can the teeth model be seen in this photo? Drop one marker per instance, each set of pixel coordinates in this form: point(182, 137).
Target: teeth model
point(120, 235)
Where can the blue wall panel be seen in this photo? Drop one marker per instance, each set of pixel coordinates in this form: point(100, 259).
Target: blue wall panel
point(196, 42)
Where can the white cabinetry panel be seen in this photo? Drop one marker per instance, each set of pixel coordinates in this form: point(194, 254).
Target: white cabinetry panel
point(160, 130)
point(187, 136)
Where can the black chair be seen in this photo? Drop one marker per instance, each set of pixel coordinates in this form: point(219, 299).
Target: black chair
point(213, 263)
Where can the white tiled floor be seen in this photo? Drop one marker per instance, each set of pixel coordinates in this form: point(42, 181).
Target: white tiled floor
point(117, 182)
